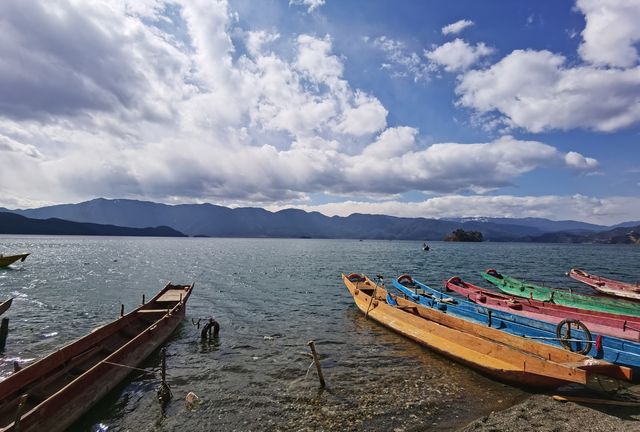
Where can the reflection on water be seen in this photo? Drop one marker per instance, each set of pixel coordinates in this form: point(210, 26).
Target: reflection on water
point(271, 297)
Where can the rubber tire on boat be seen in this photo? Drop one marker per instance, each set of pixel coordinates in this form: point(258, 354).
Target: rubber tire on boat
point(355, 277)
point(405, 278)
point(494, 273)
point(580, 325)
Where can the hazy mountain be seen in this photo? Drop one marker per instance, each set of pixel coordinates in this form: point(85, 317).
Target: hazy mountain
point(541, 224)
point(15, 224)
point(620, 235)
point(218, 221)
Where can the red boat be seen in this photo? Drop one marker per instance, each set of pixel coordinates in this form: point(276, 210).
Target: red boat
point(607, 286)
point(620, 326)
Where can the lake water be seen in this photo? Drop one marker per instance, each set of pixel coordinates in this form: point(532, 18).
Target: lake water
point(271, 296)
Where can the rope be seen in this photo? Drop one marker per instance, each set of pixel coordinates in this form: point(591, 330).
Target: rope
point(130, 367)
point(558, 339)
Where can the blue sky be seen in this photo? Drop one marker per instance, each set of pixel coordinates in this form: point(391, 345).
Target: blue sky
point(409, 108)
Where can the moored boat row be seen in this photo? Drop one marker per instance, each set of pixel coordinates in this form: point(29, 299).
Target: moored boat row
point(501, 355)
point(474, 325)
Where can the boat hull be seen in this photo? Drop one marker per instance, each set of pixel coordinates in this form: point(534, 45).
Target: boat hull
point(619, 326)
point(505, 357)
point(4, 306)
point(518, 288)
point(619, 351)
point(607, 286)
point(58, 409)
point(8, 260)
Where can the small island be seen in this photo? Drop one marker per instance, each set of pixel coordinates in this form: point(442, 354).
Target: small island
point(461, 235)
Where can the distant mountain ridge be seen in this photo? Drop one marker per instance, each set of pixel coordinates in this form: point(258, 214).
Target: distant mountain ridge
point(11, 223)
point(218, 221)
point(620, 235)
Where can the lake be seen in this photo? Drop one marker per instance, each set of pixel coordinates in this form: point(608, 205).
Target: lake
point(271, 296)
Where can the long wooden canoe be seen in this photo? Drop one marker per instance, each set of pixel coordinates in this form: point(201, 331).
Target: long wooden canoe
point(620, 326)
point(5, 305)
point(607, 286)
point(65, 384)
point(580, 338)
point(10, 259)
point(519, 288)
point(501, 355)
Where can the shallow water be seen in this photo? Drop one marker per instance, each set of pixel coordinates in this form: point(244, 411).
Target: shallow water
point(271, 296)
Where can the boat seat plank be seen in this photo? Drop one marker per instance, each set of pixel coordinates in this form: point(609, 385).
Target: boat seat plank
point(171, 296)
point(153, 311)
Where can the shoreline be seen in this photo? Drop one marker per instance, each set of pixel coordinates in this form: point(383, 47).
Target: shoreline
point(541, 413)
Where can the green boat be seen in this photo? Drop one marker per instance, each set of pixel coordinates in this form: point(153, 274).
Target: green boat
point(519, 288)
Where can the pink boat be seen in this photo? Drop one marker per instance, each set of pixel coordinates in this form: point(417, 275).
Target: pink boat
point(620, 326)
point(607, 286)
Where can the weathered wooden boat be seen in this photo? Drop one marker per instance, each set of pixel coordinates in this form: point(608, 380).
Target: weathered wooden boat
point(50, 394)
point(501, 355)
point(620, 326)
point(607, 286)
point(519, 288)
point(570, 334)
point(10, 259)
point(5, 305)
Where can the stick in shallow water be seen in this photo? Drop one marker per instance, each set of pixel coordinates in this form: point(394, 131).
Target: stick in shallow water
point(316, 361)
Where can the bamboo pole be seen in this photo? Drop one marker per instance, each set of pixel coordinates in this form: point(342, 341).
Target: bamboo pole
point(316, 361)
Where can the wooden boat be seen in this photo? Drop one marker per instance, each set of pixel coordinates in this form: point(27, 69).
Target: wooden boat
point(62, 386)
point(10, 259)
point(5, 305)
point(607, 286)
point(501, 355)
point(620, 326)
point(519, 288)
point(579, 338)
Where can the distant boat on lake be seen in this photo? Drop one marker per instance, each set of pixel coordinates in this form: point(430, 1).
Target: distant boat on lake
point(10, 259)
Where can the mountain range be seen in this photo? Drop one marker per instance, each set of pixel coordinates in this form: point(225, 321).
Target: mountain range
point(218, 221)
point(16, 224)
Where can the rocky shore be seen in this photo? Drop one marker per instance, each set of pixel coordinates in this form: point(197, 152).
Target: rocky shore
point(541, 413)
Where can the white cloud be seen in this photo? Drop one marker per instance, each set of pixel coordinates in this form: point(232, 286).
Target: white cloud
point(457, 55)
point(611, 33)
point(367, 116)
point(605, 211)
point(310, 4)
point(316, 61)
point(580, 163)
point(402, 63)
point(534, 90)
point(456, 27)
point(158, 117)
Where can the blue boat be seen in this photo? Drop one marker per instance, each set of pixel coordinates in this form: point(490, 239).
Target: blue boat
point(612, 349)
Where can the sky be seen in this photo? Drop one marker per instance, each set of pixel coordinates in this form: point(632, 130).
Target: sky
point(407, 108)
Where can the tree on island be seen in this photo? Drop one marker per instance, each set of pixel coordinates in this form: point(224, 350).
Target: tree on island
point(461, 235)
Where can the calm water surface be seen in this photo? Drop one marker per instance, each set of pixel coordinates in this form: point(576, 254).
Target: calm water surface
point(271, 296)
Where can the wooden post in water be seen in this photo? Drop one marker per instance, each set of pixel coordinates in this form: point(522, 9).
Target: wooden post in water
point(4, 333)
point(316, 361)
point(163, 366)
